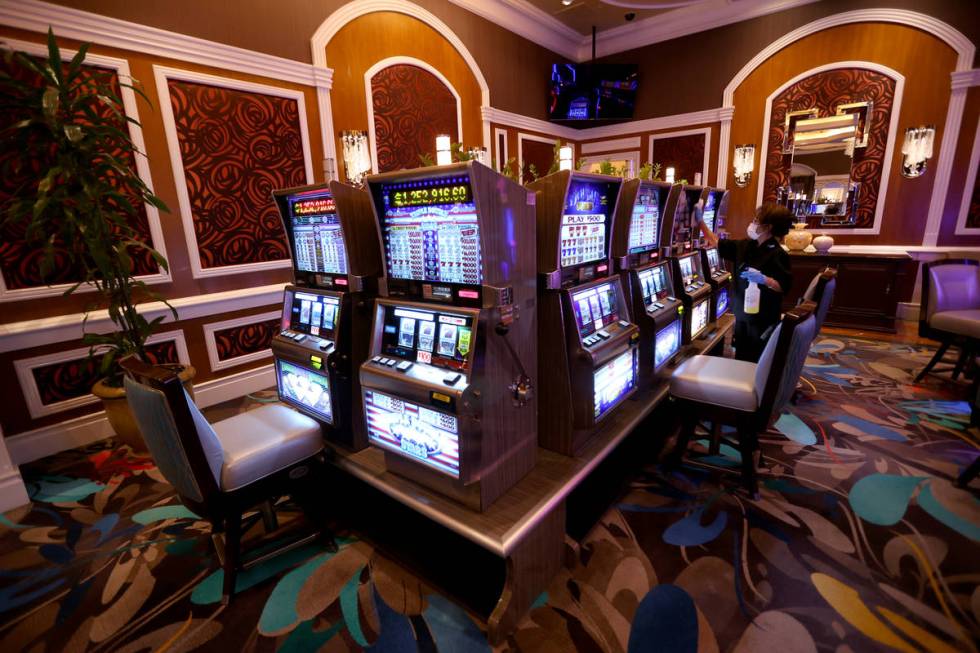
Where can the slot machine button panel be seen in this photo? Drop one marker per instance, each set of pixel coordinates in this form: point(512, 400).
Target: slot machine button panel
point(602, 333)
point(451, 379)
point(671, 299)
point(376, 359)
point(390, 362)
point(403, 366)
point(299, 337)
point(624, 324)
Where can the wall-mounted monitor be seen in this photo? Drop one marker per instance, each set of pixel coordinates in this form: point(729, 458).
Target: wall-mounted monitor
point(667, 343)
point(421, 433)
point(592, 91)
point(431, 231)
point(305, 388)
point(595, 307)
point(434, 337)
point(613, 381)
point(586, 221)
point(315, 232)
point(645, 221)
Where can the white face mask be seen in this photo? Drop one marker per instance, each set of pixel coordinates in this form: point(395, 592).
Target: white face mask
point(753, 231)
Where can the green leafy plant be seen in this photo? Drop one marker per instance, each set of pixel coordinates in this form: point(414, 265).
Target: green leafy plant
point(650, 171)
point(532, 171)
point(83, 200)
point(606, 167)
point(510, 169)
point(580, 164)
point(426, 160)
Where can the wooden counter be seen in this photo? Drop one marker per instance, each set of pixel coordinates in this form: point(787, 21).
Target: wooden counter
point(525, 527)
point(869, 286)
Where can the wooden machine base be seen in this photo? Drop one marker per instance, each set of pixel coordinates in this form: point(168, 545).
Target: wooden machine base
point(514, 549)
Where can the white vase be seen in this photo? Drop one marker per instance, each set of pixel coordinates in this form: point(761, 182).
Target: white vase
point(797, 239)
point(823, 243)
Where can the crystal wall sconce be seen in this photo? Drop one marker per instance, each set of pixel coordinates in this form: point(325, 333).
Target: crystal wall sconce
point(917, 150)
point(357, 155)
point(743, 162)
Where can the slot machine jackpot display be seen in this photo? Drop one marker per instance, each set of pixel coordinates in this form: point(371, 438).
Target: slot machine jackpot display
point(588, 347)
point(647, 280)
point(448, 383)
point(718, 277)
point(326, 314)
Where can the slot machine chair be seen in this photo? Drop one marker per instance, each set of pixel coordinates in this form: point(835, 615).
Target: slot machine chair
point(220, 471)
point(821, 292)
point(746, 395)
point(949, 310)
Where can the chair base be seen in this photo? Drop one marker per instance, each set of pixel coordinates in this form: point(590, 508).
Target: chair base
point(745, 427)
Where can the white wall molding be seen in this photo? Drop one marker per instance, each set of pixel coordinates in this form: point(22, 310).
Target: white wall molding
point(534, 24)
point(969, 184)
point(954, 38)
point(163, 75)
point(211, 342)
point(944, 165)
point(369, 97)
point(62, 328)
point(706, 131)
point(131, 109)
point(521, 137)
point(45, 441)
point(500, 149)
point(36, 16)
point(630, 142)
point(24, 368)
point(518, 121)
point(893, 129)
point(13, 492)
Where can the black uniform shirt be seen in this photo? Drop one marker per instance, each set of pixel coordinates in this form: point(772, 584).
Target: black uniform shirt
point(768, 258)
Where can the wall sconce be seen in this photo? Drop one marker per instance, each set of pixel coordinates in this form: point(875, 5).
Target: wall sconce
point(917, 149)
point(565, 157)
point(480, 155)
point(669, 175)
point(743, 162)
point(357, 155)
point(443, 155)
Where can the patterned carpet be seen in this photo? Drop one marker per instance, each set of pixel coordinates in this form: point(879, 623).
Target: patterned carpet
point(860, 543)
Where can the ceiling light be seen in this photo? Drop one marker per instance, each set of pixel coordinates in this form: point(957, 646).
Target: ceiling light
point(567, 2)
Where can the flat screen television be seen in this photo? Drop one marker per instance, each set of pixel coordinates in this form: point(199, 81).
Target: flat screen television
point(592, 91)
point(318, 241)
point(613, 381)
point(417, 432)
point(431, 231)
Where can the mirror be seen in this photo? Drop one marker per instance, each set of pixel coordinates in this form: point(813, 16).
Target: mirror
point(820, 189)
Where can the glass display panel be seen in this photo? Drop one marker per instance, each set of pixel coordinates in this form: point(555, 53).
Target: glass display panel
point(585, 221)
point(318, 240)
point(644, 224)
point(315, 315)
point(713, 263)
point(689, 269)
point(721, 302)
point(710, 211)
point(699, 318)
point(667, 343)
point(420, 433)
point(439, 338)
point(613, 381)
point(305, 388)
point(653, 281)
point(595, 307)
point(431, 231)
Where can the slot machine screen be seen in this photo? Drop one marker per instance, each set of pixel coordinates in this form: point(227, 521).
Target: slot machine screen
point(318, 241)
point(721, 302)
point(668, 342)
point(306, 388)
point(699, 318)
point(653, 281)
point(613, 381)
point(709, 211)
point(689, 269)
point(644, 225)
point(431, 231)
point(595, 307)
point(417, 432)
point(439, 338)
point(585, 221)
point(309, 313)
point(713, 263)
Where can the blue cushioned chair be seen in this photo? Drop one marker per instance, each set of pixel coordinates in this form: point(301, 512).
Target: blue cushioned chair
point(221, 471)
point(821, 292)
point(746, 395)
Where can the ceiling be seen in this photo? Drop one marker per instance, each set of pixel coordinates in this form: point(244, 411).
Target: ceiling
point(581, 15)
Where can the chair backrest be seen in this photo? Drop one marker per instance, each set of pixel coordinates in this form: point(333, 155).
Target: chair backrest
point(182, 443)
point(782, 360)
point(949, 285)
point(824, 296)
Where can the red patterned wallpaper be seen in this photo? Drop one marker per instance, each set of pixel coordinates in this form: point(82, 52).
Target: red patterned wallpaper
point(825, 91)
point(542, 155)
point(246, 339)
point(411, 107)
point(69, 379)
point(20, 263)
point(236, 148)
point(684, 153)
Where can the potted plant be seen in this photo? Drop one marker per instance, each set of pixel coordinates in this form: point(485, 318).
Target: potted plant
point(78, 200)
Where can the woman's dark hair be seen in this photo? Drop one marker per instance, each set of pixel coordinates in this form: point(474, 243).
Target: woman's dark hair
point(778, 218)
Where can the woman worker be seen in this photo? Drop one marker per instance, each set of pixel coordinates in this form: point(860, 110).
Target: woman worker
point(757, 259)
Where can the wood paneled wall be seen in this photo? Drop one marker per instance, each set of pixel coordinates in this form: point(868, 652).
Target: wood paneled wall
point(959, 182)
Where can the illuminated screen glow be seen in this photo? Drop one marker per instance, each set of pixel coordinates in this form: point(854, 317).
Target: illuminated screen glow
point(689, 268)
point(431, 231)
point(433, 337)
point(428, 436)
point(653, 282)
point(708, 214)
point(310, 313)
point(645, 221)
point(713, 263)
point(318, 240)
point(585, 221)
point(613, 381)
point(595, 307)
point(721, 302)
point(305, 388)
point(666, 343)
point(699, 318)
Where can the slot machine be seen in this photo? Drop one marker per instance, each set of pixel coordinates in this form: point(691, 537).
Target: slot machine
point(588, 353)
point(326, 314)
point(646, 278)
point(690, 285)
point(714, 211)
point(447, 387)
